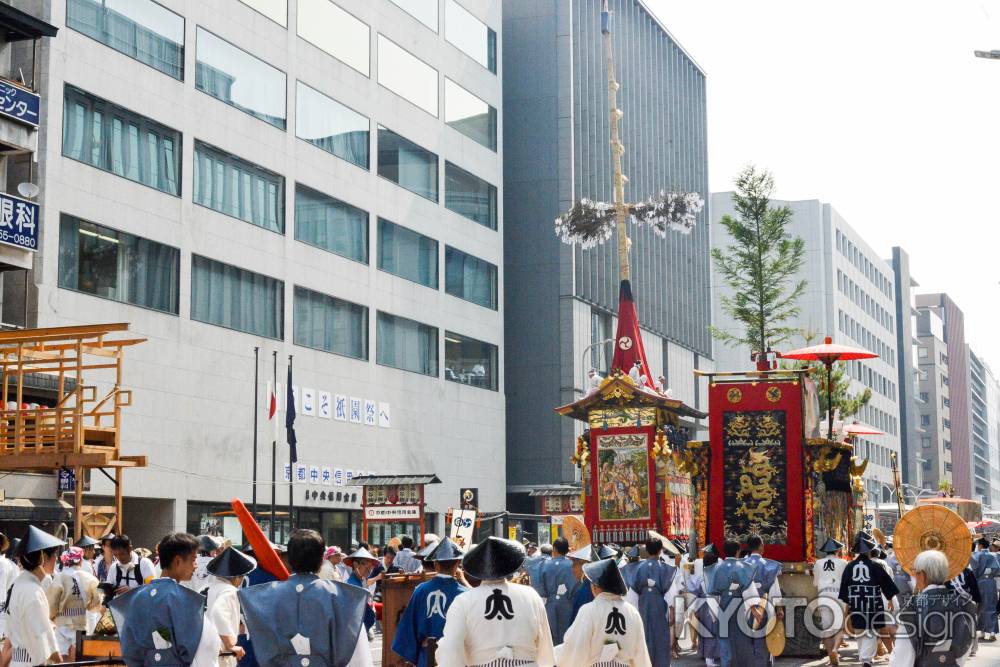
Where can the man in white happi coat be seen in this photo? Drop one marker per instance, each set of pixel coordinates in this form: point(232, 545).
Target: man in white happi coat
point(498, 624)
point(607, 632)
point(827, 574)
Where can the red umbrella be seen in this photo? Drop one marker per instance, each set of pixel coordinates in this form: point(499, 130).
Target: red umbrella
point(829, 353)
point(861, 429)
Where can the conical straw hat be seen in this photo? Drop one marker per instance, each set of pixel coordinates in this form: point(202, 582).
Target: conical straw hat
point(933, 527)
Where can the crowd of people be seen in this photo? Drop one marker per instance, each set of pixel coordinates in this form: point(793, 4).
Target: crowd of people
point(199, 601)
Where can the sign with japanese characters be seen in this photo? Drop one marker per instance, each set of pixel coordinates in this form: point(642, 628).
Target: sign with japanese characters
point(393, 513)
point(67, 479)
point(326, 476)
point(300, 473)
point(356, 416)
point(19, 221)
point(371, 410)
point(314, 474)
point(19, 104)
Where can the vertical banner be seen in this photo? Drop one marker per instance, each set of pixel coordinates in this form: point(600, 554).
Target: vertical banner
point(756, 485)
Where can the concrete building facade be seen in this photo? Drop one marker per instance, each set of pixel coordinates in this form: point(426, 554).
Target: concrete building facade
point(955, 358)
point(318, 179)
point(984, 413)
point(908, 370)
point(561, 301)
point(934, 419)
point(850, 296)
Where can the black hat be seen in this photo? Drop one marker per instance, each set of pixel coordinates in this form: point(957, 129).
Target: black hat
point(208, 543)
point(605, 551)
point(586, 553)
point(231, 563)
point(444, 552)
point(710, 548)
point(108, 538)
point(633, 552)
point(831, 546)
point(863, 543)
point(15, 542)
point(426, 551)
point(37, 540)
point(606, 576)
point(86, 541)
point(494, 558)
point(680, 546)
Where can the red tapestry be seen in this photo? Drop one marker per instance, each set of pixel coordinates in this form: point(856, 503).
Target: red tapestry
point(622, 504)
point(756, 483)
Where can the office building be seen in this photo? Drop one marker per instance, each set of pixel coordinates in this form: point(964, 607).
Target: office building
point(983, 429)
point(953, 358)
point(314, 178)
point(561, 301)
point(934, 401)
point(850, 296)
point(908, 370)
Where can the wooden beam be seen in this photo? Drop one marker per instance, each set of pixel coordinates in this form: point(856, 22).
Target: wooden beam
point(53, 460)
point(77, 331)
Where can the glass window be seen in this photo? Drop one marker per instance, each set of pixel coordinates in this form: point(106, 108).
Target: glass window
point(425, 11)
point(331, 224)
point(235, 298)
point(406, 344)
point(407, 164)
point(470, 361)
point(140, 29)
point(470, 278)
point(230, 74)
point(333, 325)
point(330, 28)
point(328, 124)
point(276, 10)
point(112, 138)
point(470, 196)
point(241, 189)
point(114, 265)
point(470, 35)
point(470, 115)
point(407, 76)
point(407, 254)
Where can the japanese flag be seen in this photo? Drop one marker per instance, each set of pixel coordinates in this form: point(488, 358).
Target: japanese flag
point(272, 410)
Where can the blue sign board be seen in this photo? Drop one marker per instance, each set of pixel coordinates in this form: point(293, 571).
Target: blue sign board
point(67, 479)
point(19, 220)
point(19, 104)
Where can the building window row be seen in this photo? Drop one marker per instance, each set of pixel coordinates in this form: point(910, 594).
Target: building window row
point(105, 262)
point(860, 333)
point(864, 301)
point(880, 419)
point(857, 257)
point(116, 140)
point(154, 35)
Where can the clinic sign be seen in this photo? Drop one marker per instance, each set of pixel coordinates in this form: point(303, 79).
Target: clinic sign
point(19, 221)
point(393, 513)
point(19, 104)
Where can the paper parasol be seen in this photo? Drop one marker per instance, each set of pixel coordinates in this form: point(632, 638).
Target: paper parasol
point(576, 533)
point(933, 527)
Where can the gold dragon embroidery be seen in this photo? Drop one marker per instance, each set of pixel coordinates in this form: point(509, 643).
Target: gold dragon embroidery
point(756, 494)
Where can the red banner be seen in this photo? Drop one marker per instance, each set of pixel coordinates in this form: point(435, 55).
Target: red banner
point(756, 483)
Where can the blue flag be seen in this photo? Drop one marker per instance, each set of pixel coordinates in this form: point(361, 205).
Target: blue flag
point(290, 418)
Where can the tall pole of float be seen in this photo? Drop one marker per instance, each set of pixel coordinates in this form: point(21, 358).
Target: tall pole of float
point(256, 397)
point(274, 448)
point(617, 148)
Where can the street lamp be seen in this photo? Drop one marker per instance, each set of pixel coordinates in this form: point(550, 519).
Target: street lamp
point(583, 361)
point(989, 55)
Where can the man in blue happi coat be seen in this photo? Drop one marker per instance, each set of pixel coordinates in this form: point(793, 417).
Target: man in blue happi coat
point(986, 567)
point(558, 585)
point(732, 581)
point(706, 607)
point(307, 621)
point(656, 585)
point(765, 574)
point(422, 622)
point(163, 623)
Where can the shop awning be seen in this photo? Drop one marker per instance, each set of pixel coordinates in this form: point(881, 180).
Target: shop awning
point(393, 480)
point(35, 510)
point(17, 25)
point(549, 491)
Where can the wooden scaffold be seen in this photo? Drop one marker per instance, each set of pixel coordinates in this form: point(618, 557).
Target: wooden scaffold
point(83, 429)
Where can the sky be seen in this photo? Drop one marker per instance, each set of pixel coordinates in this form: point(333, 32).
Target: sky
point(877, 108)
